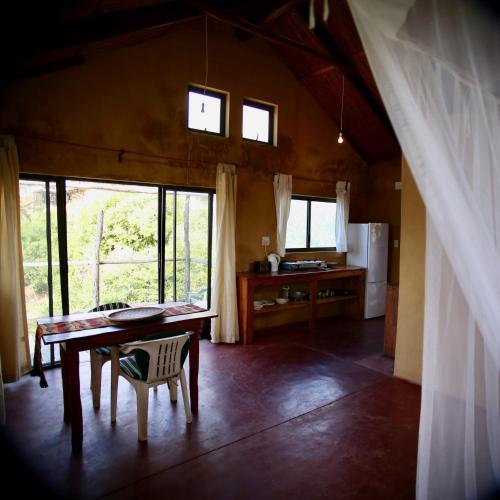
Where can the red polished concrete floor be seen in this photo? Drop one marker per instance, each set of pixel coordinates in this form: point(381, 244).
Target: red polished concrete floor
point(294, 415)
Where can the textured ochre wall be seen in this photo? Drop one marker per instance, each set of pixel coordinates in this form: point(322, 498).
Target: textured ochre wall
point(410, 326)
point(385, 206)
point(134, 98)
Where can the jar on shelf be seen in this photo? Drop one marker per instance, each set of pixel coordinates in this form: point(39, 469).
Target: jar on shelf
point(285, 292)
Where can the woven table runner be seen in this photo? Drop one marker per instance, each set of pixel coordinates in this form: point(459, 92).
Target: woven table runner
point(101, 321)
point(87, 324)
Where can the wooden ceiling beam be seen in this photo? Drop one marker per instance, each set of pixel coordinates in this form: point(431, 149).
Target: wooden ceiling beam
point(353, 77)
point(269, 36)
point(275, 11)
point(279, 11)
point(320, 71)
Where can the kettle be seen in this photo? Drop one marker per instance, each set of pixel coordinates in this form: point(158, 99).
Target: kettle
point(274, 260)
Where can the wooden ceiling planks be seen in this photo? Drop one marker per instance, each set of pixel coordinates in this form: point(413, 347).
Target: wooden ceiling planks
point(374, 139)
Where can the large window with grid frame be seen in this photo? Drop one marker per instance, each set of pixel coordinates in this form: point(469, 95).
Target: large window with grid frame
point(87, 243)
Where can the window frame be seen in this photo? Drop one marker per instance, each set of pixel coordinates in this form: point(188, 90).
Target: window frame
point(271, 108)
point(219, 94)
point(60, 215)
point(308, 247)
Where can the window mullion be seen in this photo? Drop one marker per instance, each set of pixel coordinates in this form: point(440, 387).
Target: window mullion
point(308, 231)
point(161, 244)
point(209, 254)
point(63, 243)
point(174, 230)
point(49, 248)
point(49, 262)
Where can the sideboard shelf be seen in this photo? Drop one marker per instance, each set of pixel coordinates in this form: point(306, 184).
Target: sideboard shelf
point(282, 307)
point(338, 298)
point(353, 278)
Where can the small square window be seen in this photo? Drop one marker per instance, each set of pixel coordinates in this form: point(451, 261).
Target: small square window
point(258, 122)
point(206, 110)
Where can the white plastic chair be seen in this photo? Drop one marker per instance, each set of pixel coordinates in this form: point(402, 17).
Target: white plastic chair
point(165, 366)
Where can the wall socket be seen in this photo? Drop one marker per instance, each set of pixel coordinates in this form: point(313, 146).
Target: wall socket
point(397, 185)
point(266, 241)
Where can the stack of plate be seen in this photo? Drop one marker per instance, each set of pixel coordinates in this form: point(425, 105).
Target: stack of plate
point(259, 304)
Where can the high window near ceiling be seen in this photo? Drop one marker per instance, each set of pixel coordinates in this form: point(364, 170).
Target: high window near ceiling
point(88, 243)
point(259, 120)
point(311, 224)
point(207, 110)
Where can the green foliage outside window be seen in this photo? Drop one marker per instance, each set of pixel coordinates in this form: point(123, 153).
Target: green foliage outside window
point(127, 249)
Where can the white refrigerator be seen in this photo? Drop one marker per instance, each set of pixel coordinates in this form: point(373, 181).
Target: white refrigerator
point(368, 246)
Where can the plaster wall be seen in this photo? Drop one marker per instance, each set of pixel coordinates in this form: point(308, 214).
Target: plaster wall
point(134, 98)
point(410, 326)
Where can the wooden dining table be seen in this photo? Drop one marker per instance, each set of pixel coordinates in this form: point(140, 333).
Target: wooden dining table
point(71, 343)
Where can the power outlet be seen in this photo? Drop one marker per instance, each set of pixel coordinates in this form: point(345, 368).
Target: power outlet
point(266, 241)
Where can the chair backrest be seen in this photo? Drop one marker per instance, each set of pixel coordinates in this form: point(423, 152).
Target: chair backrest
point(164, 355)
point(109, 307)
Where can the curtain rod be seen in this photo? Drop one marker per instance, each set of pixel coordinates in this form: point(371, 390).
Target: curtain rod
point(121, 152)
point(308, 179)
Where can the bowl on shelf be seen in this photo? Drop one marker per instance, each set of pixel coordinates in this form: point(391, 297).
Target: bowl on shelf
point(280, 300)
point(298, 295)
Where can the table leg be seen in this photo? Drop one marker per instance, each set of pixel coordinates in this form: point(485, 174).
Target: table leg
point(64, 377)
point(194, 363)
point(73, 386)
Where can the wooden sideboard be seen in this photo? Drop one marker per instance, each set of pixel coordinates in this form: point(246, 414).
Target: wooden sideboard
point(352, 278)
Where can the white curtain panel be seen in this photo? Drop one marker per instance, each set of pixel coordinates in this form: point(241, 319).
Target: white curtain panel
point(342, 215)
point(436, 65)
point(224, 304)
point(14, 341)
point(282, 199)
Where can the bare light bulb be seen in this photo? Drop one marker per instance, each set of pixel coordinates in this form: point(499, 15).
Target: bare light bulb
point(340, 140)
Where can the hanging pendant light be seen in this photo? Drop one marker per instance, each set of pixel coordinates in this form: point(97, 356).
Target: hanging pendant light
point(206, 65)
point(340, 140)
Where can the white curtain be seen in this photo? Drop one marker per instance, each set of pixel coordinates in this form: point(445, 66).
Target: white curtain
point(14, 342)
point(436, 64)
point(342, 215)
point(282, 200)
point(224, 304)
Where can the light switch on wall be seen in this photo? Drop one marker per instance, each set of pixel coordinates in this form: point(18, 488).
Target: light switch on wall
point(396, 243)
point(266, 241)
